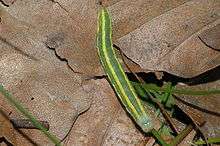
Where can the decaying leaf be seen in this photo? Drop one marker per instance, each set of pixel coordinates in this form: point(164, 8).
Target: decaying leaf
point(71, 25)
point(170, 43)
point(187, 141)
point(211, 37)
point(7, 2)
point(7, 135)
point(105, 123)
point(207, 106)
point(34, 75)
point(47, 47)
point(130, 15)
point(158, 35)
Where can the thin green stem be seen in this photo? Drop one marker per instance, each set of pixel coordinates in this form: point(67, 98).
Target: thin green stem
point(196, 93)
point(27, 114)
point(179, 91)
point(210, 141)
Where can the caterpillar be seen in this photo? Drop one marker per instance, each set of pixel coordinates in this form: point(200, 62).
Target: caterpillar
point(116, 75)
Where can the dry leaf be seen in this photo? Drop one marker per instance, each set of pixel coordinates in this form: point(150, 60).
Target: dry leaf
point(207, 106)
point(48, 46)
point(105, 123)
point(7, 134)
point(7, 3)
point(34, 75)
point(70, 25)
point(211, 37)
point(169, 42)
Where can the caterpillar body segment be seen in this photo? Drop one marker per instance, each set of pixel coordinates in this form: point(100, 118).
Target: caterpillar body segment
point(116, 74)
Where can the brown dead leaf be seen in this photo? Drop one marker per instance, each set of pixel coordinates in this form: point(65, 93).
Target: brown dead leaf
point(188, 139)
point(34, 75)
point(7, 135)
point(67, 26)
point(107, 3)
point(129, 15)
point(158, 35)
point(7, 2)
point(207, 106)
point(52, 95)
point(169, 42)
point(46, 43)
point(105, 123)
point(211, 37)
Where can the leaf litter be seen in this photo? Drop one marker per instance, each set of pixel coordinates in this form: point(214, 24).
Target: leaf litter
point(155, 35)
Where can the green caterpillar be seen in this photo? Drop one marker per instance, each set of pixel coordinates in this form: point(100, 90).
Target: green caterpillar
point(116, 74)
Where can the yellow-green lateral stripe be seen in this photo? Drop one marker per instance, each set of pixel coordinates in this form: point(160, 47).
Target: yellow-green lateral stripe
point(116, 74)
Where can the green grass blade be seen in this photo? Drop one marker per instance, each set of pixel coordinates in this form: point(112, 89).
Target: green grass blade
point(210, 141)
point(153, 87)
point(13, 101)
point(168, 95)
point(196, 92)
